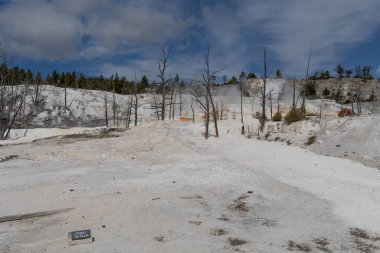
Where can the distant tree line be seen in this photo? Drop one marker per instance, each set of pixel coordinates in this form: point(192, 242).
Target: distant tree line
point(362, 72)
point(16, 76)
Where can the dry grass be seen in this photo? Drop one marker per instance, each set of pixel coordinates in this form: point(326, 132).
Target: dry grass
point(298, 246)
point(363, 241)
point(185, 119)
point(196, 222)
point(159, 238)
point(240, 205)
point(236, 242)
point(218, 232)
point(322, 244)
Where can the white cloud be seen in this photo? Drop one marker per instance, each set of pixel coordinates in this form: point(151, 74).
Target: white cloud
point(39, 31)
point(54, 30)
point(288, 28)
point(236, 31)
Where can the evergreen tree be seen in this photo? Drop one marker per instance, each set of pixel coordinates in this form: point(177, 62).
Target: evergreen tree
point(366, 71)
point(242, 76)
point(278, 74)
point(339, 70)
point(144, 83)
point(233, 80)
point(251, 75)
point(29, 76)
point(38, 78)
point(62, 79)
point(82, 81)
point(358, 72)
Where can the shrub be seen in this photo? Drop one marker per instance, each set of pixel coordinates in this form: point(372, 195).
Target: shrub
point(294, 115)
point(277, 117)
point(310, 89)
point(311, 140)
point(326, 92)
point(345, 112)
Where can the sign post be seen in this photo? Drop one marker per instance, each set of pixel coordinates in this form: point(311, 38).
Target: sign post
point(80, 237)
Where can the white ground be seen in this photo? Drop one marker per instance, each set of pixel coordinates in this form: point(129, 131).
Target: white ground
point(161, 179)
point(161, 187)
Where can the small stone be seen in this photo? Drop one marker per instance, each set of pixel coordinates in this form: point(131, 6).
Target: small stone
point(250, 191)
point(103, 226)
point(173, 182)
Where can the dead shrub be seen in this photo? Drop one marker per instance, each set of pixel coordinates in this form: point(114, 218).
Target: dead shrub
point(311, 140)
point(345, 112)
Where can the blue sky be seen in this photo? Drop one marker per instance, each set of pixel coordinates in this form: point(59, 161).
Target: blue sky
point(104, 37)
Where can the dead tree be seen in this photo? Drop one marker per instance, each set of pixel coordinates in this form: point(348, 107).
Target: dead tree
point(303, 108)
point(162, 67)
point(208, 78)
point(65, 92)
point(204, 105)
point(106, 108)
point(155, 107)
point(206, 101)
point(129, 111)
point(171, 105)
point(192, 108)
point(221, 111)
point(241, 79)
point(180, 99)
point(271, 106)
point(294, 94)
point(114, 100)
point(264, 95)
point(135, 100)
point(174, 103)
point(12, 98)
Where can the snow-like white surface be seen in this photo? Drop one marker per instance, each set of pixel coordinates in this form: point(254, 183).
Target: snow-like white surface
point(161, 179)
point(18, 136)
point(164, 180)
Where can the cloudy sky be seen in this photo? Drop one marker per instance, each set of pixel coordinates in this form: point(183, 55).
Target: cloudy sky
point(97, 36)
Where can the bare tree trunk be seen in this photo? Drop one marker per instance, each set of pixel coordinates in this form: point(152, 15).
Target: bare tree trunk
point(352, 103)
point(241, 107)
point(208, 104)
point(303, 108)
point(180, 102)
point(294, 94)
point(192, 108)
point(263, 96)
point(271, 106)
point(171, 103)
point(65, 94)
point(106, 108)
point(11, 101)
point(136, 106)
point(175, 100)
point(208, 89)
point(114, 102)
point(156, 107)
point(117, 116)
point(207, 114)
point(221, 111)
point(162, 66)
